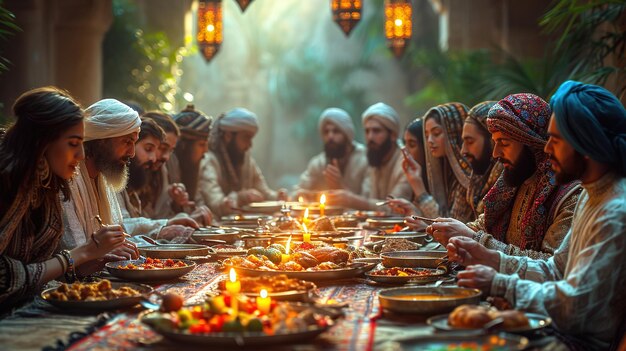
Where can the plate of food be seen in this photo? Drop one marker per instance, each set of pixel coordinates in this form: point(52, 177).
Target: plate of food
point(215, 326)
point(414, 258)
point(469, 317)
point(150, 269)
point(279, 287)
point(422, 300)
point(403, 275)
point(99, 296)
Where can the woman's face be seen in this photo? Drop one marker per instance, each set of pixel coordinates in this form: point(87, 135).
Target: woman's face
point(199, 148)
point(413, 145)
point(64, 154)
point(435, 138)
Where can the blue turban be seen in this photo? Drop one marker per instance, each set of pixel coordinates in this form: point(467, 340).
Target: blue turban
point(593, 121)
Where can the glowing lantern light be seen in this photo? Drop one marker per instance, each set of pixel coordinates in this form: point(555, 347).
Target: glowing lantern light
point(210, 27)
point(346, 13)
point(398, 25)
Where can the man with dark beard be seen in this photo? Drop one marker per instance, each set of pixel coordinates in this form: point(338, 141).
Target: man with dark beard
point(526, 213)
point(581, 288)
point(342, 165)
point(477, 149)
point(385, 176)
point(229, 176)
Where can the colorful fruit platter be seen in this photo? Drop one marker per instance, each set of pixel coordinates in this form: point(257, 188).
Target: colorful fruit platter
point(304, 260)
point(234, 319)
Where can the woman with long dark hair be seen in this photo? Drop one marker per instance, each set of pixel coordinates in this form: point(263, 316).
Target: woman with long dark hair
point(39, 154)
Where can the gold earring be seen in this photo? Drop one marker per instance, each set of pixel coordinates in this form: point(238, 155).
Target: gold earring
point(43, 172)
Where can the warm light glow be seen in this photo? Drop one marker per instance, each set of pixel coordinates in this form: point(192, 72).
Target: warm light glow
point(300, 199)
point(306, 236)
point(263, 293)
point(398, 24)
point(233, 275)
point(210, 27)
point(209, 36)
point(288, 246)
point(346, 13)
point(323, 199)
point(306, 215)
point(263, 303)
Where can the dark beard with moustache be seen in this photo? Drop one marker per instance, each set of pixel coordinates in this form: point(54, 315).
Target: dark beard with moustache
point(522, 170)
point(137, 175)
point(376, 154)
point(236, 157)
point(481, 164)
point(335, 150)
point(574, 170)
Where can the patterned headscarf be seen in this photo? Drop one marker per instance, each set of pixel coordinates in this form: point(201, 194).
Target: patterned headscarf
point(193, 124)
point(524, 118)
point(480, 184)
point(593, 121)
point(452, 116)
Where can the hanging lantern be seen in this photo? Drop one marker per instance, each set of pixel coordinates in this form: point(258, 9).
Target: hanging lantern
point(346, 13)
point(209, 27)
point(243, 4)
point(398, 25)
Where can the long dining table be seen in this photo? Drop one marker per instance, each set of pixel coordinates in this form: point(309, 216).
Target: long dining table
point(362, 326)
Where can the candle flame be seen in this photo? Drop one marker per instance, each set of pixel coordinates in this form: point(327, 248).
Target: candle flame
point(288, 245)
point(306, 213)
point(263, 293)
point(323, 199)
point(300, 199)
point(304, 227)
point(233, 275)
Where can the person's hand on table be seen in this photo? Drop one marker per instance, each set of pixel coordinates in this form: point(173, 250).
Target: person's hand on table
point(248, 196)
point(178, 194)
point(468, 252)
point(127, 251)
point(445, 228)
point(477, 277)
point(415, 224)
point(202, 215)
point(332, 174)
point(183, 221)
point(178, 232)
point(402, 207)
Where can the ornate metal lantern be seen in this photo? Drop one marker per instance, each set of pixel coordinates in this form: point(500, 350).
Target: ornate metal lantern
point(346, 13)
point(210, 27)
point(398, 25)
point(244, 4)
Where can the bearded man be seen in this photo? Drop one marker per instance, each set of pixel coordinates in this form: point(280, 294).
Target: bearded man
point(385, 176)
point(229, 176)
point(477, 149)
point(146, 150)
point(526, 212)
point(342, 164)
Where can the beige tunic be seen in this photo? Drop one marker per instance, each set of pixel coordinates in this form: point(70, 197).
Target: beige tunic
point(351, 179)
point(386, 180)
point(211, 183)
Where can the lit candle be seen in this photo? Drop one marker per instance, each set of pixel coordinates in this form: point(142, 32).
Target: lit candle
point(322, 204)
point(286, 257)
point(300, 199)
point(306, 236)
point(263, 302)
point(233, 286)
point(305, 217)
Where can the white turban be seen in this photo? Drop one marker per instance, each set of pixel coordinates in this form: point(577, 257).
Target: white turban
point(384, 114)
point(239, 120)
point(110, 118)
point(340, 118)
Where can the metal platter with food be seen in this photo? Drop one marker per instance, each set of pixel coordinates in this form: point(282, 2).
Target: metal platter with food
point(164, 251)
point(150, 269)
point(254, 323)
point(99, 296)
point(471, 317)
point(228, 235)
point(414, 258)
point(426, 300)
point(402, 275)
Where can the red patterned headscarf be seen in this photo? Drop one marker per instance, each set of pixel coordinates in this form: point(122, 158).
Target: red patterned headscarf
point(524, 118)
